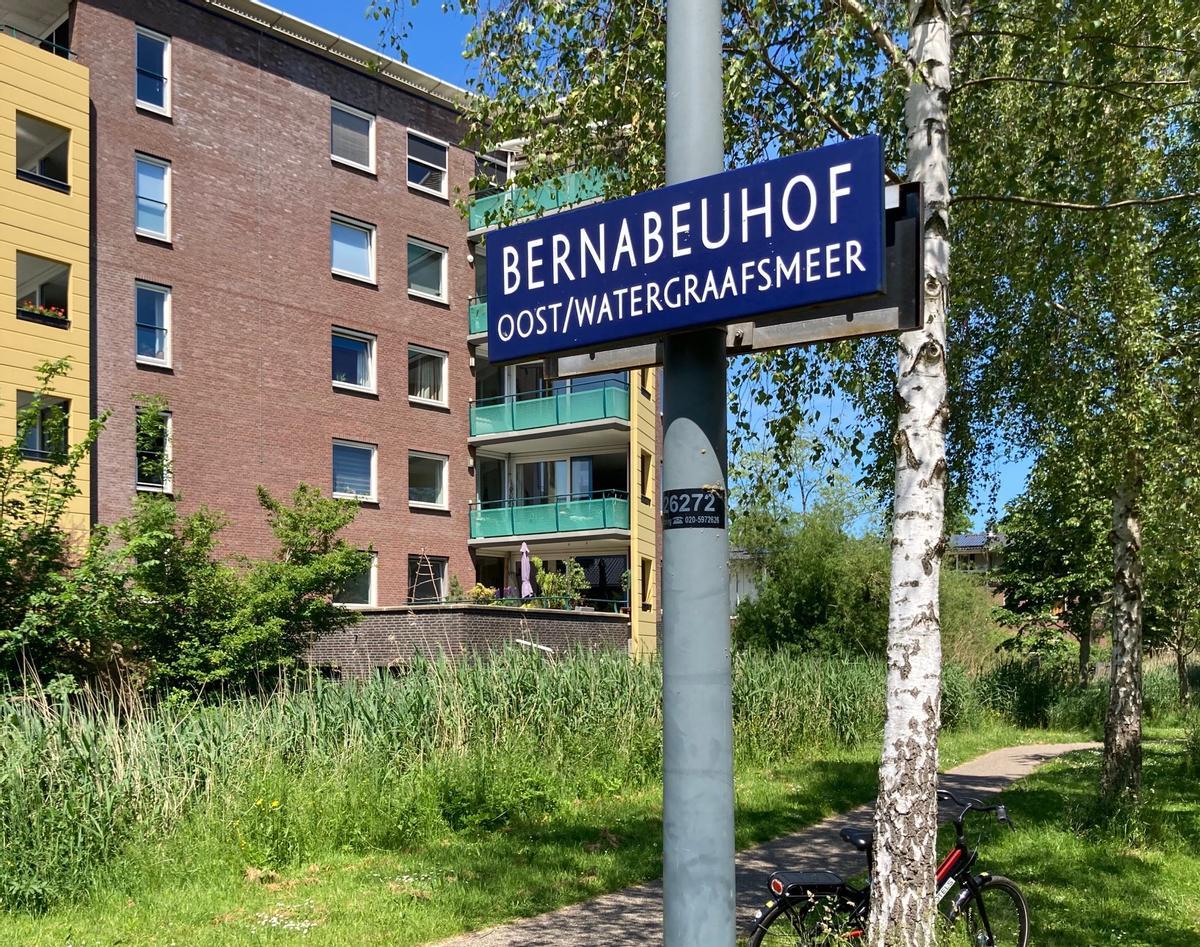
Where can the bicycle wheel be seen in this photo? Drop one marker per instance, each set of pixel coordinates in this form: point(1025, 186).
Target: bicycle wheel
point(1007, 915)
point(822, 920)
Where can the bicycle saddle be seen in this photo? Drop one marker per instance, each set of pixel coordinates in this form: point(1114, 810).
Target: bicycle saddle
point(859, 838)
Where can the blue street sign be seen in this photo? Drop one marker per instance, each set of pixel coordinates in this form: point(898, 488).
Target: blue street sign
point(764, 239)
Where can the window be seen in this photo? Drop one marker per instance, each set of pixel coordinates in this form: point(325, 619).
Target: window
point(426, 270)
point(153, 70)
point(647, 467)
point(647, 580)
point(354, 470)
point(360, 590)
point(44, 422)
point(353, 360)
point(42, 152)
point(427, 479)
point(427, 375)
point(352, 136)
point(153, 193)
point(152, 441)
point(426, 579)
point(42, 287)
point(427, 164)
point(494, 171)
point(152, 319)
point(353, 248)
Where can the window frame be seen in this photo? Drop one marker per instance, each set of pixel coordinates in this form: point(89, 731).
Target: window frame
point(165, 361)
point(443, 561)
point(165, 108)
point(372, 589)
point(408, 156)
point(372, 341)
point(420, 293)
point(167, 487)
point(444, 460)
point(142, 157)
point(445, 357)
point(358, 113)
point(48, 403)
point(355, 224)
point(374, 449)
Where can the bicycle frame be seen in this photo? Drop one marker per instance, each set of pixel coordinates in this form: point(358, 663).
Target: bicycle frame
point(953, 870)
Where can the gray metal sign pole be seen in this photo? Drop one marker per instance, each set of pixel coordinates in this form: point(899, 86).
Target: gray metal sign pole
point(698, 878)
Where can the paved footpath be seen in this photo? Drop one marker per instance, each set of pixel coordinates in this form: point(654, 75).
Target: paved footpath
point(633, 917)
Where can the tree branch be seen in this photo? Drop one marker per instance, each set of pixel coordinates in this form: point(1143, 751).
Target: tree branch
point(882, 37)
point(829, 119)
point(1071, 205)
point(1067, 84)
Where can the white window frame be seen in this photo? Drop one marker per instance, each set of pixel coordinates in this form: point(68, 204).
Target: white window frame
point(444, 460)
point(373, 589)
point(359, 113)
point(420, 293)
point(168, 484)
point(445, 189)
point(371, 340)
point(374, 449)
point(445, 357)
point(357, 225)
point(165, 165)
point(165, 108)
point(165, 361)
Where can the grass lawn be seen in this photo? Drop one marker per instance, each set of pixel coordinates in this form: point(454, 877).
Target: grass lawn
point(190, 890)
point(1130, 885)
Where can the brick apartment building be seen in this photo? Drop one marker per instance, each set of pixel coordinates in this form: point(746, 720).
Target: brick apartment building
point(276, 254)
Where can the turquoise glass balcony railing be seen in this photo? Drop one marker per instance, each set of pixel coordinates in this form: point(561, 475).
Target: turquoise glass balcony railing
point(477, 315)
point(573, 188)
point(609, 399)
point(607, 509)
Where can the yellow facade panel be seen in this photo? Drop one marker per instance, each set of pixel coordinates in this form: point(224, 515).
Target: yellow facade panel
point(44, 222)
point(643, 524)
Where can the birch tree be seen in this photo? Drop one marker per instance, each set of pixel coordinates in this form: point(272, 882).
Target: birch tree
point(581, 84)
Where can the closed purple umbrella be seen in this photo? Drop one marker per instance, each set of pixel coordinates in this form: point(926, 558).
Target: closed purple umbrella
point(526, 585)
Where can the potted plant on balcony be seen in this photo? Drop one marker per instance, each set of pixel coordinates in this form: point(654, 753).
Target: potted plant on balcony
point(566, 587)
point(34, 308)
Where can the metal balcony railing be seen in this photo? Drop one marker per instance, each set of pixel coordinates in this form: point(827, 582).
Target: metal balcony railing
point(603, 509)
point(47, 45)
point(584, 402)
point(573, 188)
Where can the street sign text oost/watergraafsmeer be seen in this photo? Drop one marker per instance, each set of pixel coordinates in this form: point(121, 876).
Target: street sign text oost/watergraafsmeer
point(768, 238)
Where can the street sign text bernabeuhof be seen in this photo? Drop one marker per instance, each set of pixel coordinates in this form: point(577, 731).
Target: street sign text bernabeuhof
point(768, 238)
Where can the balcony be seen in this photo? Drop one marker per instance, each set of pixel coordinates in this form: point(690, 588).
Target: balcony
point(570, 189)
point(477, 315)
point(584, 403)
point(602, 511)
point(39, 17)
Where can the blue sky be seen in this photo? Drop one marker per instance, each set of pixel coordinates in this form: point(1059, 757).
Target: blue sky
point(437, 37)
point(435, 46)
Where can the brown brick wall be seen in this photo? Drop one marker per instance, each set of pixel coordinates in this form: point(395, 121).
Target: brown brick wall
point(253, 299)
point(386, 637)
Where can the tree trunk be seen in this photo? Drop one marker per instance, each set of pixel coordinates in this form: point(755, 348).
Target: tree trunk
point(1181, 669)
point(1121, 771)
point(1080, 621)
point(1085, 655)
point(902, 886)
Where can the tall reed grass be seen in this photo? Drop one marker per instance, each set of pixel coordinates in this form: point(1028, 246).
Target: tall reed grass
point(267, 779)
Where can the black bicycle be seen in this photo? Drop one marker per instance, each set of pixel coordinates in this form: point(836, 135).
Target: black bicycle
point(820, 909)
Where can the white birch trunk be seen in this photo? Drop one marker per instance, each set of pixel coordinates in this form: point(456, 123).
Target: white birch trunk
point(902, 886)
point(1121, 771)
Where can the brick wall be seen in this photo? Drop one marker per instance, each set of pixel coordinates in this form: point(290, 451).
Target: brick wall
point(390, 636)
point(253, 299)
